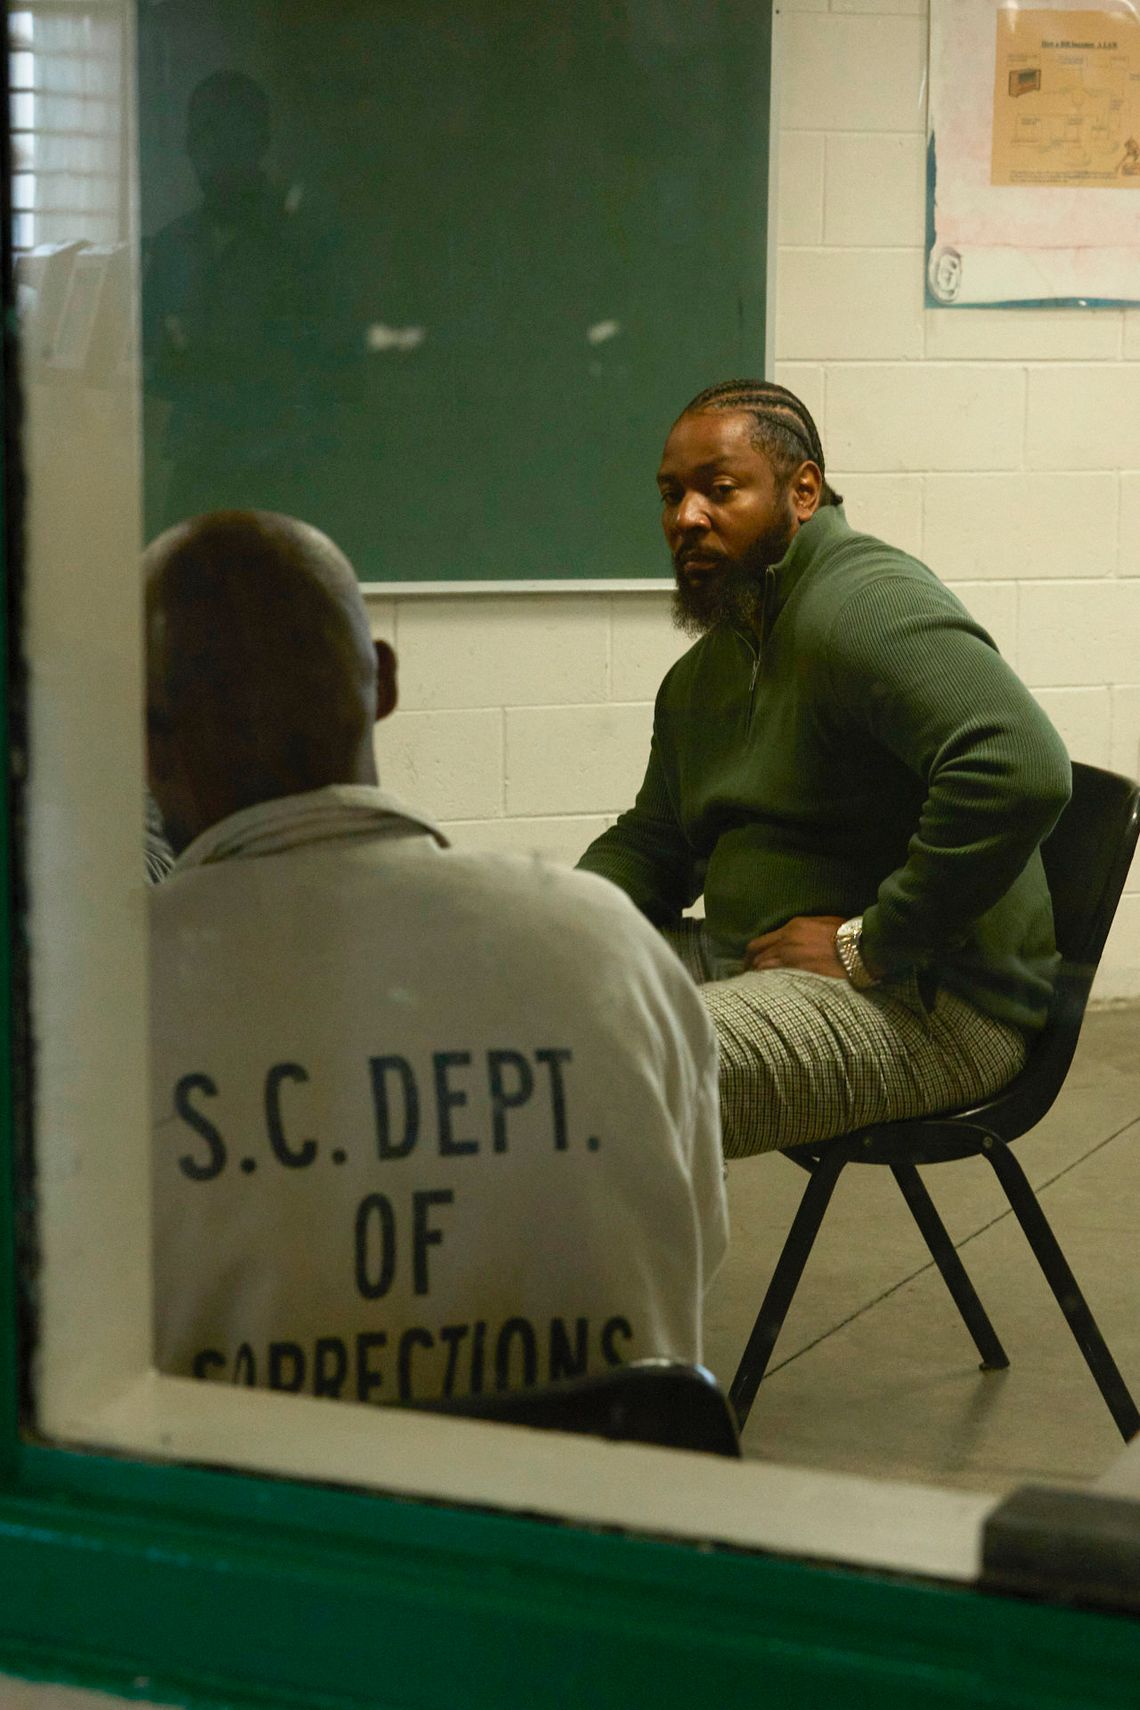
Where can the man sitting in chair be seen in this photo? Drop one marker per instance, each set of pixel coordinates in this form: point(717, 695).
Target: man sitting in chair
point(426, 1123)
point(857, 783)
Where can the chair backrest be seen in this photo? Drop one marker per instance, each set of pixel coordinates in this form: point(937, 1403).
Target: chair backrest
point(665, 1402)
point(1087, 857)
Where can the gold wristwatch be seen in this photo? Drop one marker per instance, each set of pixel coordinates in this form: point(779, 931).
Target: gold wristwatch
point(847, 939)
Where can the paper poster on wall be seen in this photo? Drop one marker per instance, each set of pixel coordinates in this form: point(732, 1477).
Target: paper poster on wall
point(1066, 100)
point(1034, 146)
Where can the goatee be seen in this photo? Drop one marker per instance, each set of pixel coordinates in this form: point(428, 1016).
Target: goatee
point(732, 595)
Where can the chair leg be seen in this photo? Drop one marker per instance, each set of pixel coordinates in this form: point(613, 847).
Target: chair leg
point(994, 1356)
point(785, 1278)
point(1064, 1285)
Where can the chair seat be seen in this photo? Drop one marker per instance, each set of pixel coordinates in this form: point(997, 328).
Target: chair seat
point(917, 1140)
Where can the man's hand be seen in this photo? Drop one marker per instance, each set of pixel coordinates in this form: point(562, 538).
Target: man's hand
point(806, 941)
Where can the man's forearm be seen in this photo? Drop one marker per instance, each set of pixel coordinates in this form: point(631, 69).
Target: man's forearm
point(961, 863)
point(644, 862)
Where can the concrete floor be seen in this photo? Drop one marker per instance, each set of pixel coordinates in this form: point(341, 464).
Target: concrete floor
point(875, 1373)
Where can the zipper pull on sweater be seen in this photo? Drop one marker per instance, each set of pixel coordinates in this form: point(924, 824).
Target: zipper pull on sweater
point(768, 606)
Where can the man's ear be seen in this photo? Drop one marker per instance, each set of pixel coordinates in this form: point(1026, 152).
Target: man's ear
point(385, 679)
point(807, 490)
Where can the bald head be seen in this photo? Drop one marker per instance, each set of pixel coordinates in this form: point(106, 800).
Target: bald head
point(262, 676)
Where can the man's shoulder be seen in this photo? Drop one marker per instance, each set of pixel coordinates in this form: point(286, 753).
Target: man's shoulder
point(852, 567)
point(513, 924)
point(185, 231)
point(534, 893)
point(576, 925)
point(849, 549)
point(411, 879)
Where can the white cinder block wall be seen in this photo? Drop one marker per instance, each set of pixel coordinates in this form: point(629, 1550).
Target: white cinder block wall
point(1003, 447)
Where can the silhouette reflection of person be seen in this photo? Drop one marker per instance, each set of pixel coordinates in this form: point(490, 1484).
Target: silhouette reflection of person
point(245, 333)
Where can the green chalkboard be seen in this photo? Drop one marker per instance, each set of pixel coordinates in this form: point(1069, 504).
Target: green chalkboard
point(439, 276)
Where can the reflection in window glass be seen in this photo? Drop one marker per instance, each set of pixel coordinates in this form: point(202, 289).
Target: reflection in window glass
point(447, 257)
point(82, 540)
point(257, 335)
point(66, 71)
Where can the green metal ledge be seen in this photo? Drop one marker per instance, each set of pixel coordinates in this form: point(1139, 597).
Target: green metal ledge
point(209, 1588)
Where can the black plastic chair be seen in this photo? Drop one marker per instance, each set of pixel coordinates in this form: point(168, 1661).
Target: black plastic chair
point(1087, 857)
point(663, 1402)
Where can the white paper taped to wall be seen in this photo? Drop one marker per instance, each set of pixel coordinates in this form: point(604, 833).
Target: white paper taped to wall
point(1035, 142)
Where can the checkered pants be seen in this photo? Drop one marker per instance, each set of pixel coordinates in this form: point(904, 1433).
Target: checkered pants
point(804, 1057)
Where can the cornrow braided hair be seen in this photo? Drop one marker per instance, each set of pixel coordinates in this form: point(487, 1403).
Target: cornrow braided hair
point(784, 430)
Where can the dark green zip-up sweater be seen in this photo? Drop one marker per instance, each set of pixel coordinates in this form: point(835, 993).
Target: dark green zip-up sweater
point(870, 754)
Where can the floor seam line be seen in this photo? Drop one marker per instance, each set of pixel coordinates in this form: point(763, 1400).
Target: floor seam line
point(958, 1245)
point(1132, 1122)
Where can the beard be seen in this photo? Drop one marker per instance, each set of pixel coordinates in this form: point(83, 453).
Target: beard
point(733, 594)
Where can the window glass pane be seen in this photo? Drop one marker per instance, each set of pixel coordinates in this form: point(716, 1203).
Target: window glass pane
point(380, 267)
point(253, 350)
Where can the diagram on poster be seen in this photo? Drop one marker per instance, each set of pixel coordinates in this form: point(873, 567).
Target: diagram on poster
point(1066, 100)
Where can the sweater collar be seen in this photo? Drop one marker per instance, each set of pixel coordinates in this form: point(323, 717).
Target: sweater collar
point(338, 813)
point(826, 527)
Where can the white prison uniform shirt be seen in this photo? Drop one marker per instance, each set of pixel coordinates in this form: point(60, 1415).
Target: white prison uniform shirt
point(425, 1122)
